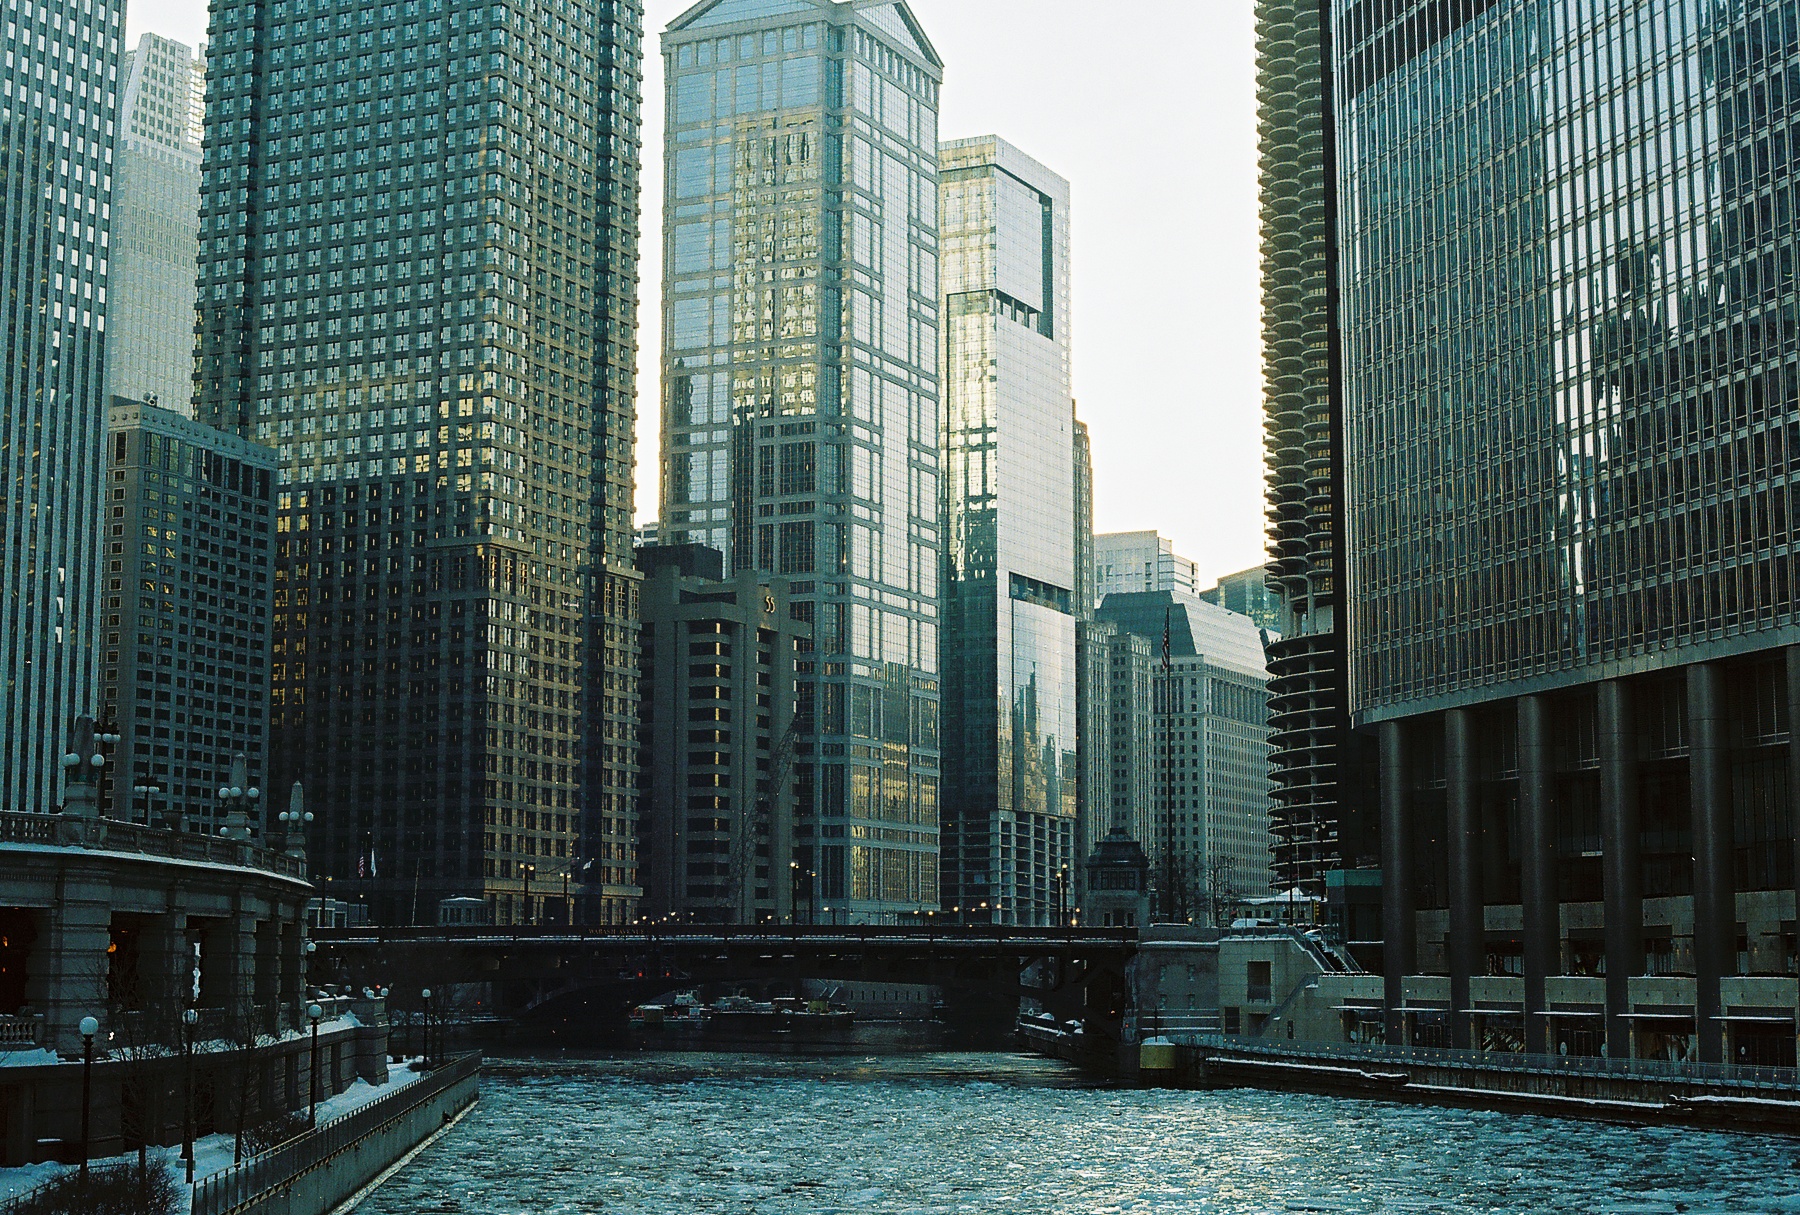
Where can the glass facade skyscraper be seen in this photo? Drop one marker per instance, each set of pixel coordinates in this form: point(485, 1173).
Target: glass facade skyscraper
point(1009, 576)
point(1572, 425)
point(58, 100)
point(800, 392)
point(418, 243)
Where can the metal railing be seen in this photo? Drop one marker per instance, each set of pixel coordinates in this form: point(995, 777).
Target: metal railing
point(116, 835)
point(1725, 1074)
point(231, 1188)
point(771, 934)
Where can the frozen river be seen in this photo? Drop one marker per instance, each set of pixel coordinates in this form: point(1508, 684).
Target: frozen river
point(989, 1134)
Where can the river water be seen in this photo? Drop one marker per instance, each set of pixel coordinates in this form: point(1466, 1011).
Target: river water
point(1002, 1134)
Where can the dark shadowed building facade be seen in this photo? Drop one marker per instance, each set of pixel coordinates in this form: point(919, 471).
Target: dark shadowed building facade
point(1572, 426)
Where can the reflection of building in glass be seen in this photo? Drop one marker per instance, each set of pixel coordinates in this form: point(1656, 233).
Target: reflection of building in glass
point(1205, 777)
point(1141, 561)
point(1247, 593)
point(59, 80)
point(1320, 822)
point(1572, 401)
point(156, 218)
point(417, 285)
point(717, 781)
point(187, 683)
point(800, 391)
point(1010, 545)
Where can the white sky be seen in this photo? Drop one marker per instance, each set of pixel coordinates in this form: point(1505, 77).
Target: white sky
point(1146, 106)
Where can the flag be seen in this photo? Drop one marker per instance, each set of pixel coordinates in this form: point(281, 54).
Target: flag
point(362, 865)
point(1165, 641)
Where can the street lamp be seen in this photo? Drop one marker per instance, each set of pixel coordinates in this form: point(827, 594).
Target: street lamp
point(89, 1027)
point(189, 1018)
point(1062, 896)
point(527, 870)
point(425, 1011)
point(314, 1012)
point(793, 892)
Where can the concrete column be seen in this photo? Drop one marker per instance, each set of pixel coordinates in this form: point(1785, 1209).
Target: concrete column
point(1398, 928)
point(1715, 907)
point(68, 967)
point(1537, 867)
point(1620, 858)
point(1463, 827)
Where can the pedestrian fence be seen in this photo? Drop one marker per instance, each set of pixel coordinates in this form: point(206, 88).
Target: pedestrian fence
point(232, 1188)
point(1726, 1075)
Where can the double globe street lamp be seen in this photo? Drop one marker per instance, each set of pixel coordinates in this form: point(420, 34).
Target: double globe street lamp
point(89, 1027)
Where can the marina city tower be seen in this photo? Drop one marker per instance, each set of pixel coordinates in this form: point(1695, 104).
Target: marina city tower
point(800, 395)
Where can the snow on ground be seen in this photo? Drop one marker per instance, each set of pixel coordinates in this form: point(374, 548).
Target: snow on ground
point(212, 1153)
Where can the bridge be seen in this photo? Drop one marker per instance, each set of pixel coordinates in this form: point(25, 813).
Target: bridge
point(583, 980)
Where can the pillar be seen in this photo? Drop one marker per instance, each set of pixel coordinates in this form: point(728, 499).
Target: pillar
point(1793, 762)
point(68, 970)
point(1463, 827)
point(1620, 858)
point(1715, 910)
point(1399, 951)
point(1541, 912)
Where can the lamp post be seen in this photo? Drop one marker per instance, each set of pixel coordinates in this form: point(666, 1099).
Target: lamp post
point(793, 892)
point(1062, 896)
point(189, 1018)
point(425, 1012)
point(148, 793)
point(313, 1012)
point(526, 869)
point(89, 1027)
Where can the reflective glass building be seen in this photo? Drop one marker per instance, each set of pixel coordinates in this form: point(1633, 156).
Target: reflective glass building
point(58, 100)
point(800, 392)
point(1571, 334)
point(418, 284)
point(1010, 548)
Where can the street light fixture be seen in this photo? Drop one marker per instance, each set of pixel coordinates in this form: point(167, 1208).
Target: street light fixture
point(527, 870)
point(314, 1012)
point(189, 1018)
point(89, 1027)
point(425, 999)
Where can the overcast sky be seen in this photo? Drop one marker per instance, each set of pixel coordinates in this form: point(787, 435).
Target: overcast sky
point(1146, 107)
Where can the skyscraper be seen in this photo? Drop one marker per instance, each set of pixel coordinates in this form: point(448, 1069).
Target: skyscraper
point(1009, 578)
point(156, 227)
point(187, 683)
point(58, 95)
point(1572, 613)
point(1126, 562)
point(417, 279)
point(800, 391)
point(1319, 824)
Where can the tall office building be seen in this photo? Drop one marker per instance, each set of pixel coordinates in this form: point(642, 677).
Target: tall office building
point(1125, 562)
point(1008, 584)
point(190, 518)
point(1085, 600)
point(1114, 672)
point(57, 105)
point(800, 390)
point(156, 226)
point(718, 713)
point(1570, 496)
point(1247, 593)
point(1208, 760)
point(1320, 824)
point(417, 283)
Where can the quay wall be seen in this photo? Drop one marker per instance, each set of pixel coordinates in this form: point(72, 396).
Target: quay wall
point(317, 1173)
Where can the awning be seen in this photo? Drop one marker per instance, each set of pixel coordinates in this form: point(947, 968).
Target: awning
point(1754, 1019)
point(1495, 1012)
point(1421, 1008)
point(1570, 1014)
point(1359, 1008)
point(1666, 1014)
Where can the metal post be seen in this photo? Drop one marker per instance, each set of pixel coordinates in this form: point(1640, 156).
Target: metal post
point(312, 1089)
point(89, 1027)
point(425, 1016)
point(1398, 953)
point(188, 1018)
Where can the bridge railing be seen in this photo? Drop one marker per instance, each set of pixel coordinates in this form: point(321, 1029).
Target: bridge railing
point(117, 835)
point(1724, 1074)
point(746, 934)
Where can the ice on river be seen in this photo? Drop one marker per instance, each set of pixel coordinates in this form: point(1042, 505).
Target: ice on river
point(1013, 1135)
